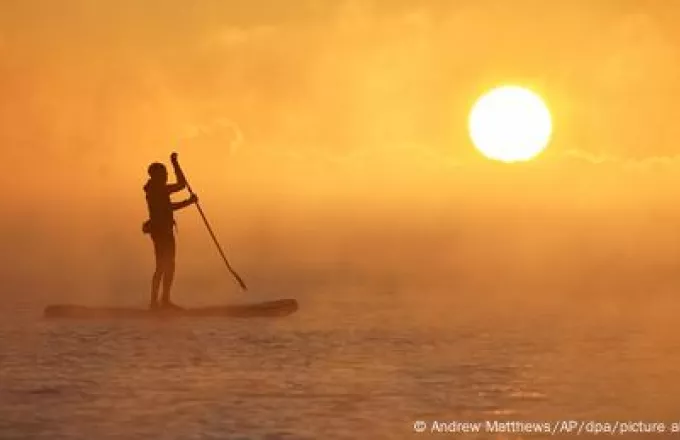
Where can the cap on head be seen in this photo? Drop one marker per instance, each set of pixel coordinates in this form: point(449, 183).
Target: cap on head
point(157, 171)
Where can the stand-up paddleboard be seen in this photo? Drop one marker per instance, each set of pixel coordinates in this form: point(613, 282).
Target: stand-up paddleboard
point(269, 309)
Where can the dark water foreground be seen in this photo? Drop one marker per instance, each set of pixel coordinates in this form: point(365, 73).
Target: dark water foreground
point(350, 368)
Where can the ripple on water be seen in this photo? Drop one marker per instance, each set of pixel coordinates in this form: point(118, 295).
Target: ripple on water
point(306, 379)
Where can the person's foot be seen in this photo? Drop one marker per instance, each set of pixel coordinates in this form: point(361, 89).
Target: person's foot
point(170, 306)
point(153, 305)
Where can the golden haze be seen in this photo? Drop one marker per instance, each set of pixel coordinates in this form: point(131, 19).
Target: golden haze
point(329, 136)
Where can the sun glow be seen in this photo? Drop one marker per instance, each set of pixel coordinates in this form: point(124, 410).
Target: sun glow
point(510, 124)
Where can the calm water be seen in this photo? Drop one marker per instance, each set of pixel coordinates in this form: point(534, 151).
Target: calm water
point(350, 368)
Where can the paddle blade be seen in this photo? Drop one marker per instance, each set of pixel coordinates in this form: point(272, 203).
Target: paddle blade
point(240, 281)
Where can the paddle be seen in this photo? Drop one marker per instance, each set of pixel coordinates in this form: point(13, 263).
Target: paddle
point(217, 243)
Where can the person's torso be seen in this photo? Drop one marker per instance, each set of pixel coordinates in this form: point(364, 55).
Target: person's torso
point(160, 208)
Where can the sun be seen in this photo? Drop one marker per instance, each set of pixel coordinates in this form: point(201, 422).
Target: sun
point(510, 124)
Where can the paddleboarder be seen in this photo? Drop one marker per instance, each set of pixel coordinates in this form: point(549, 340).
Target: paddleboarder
point(160, 226)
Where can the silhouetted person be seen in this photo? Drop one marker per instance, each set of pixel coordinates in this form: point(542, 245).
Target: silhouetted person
point(160, 225)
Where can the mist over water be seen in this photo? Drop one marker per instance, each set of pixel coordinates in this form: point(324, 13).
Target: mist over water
point(328, 144)
point(497, 243)
point(364, 357)
point(441, 308)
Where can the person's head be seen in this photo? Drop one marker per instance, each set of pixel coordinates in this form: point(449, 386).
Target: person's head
point(158, 172)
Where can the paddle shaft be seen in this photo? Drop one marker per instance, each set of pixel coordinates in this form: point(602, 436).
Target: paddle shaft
point(217, 243)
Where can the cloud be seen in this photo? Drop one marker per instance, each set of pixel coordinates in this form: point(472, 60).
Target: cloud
point(590, 157)
point(645, 164)
point(221, 133)
point(233, 36)
point(654, 163)
point(634, 51)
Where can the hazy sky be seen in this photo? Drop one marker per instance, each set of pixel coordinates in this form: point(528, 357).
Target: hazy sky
point(338, 101)
point(89, 83)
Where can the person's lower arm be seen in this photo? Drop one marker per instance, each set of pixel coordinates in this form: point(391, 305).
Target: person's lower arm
point(185, 203)
point(180, 205)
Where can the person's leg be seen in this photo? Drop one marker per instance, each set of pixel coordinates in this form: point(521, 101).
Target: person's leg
point(158, 271)
point(169, 267)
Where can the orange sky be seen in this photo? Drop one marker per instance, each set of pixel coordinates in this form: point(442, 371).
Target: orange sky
point(102, 81)
point(334, 104)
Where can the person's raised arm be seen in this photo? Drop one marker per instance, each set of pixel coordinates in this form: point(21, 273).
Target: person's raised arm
point(181, 180)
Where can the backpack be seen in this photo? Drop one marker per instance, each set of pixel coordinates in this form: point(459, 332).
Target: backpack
point(147, 226)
